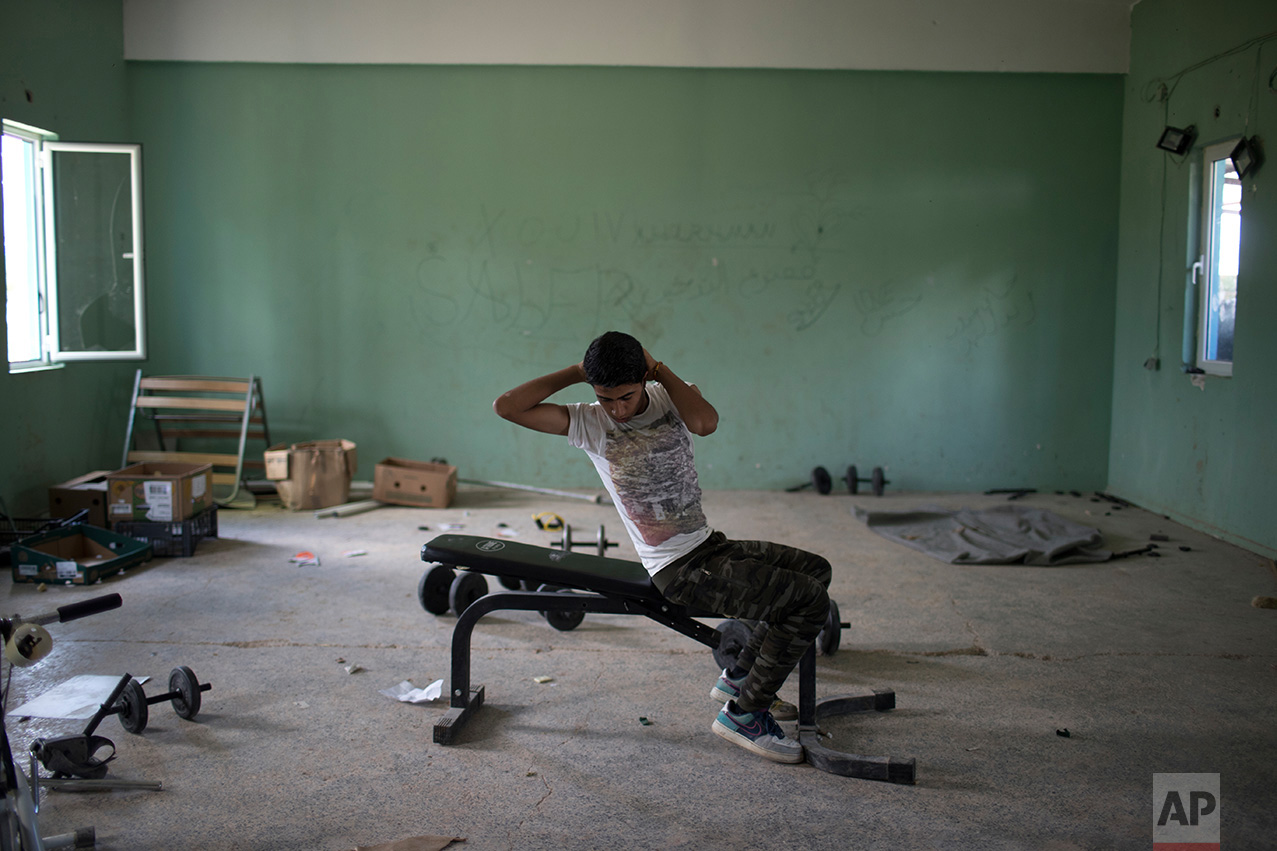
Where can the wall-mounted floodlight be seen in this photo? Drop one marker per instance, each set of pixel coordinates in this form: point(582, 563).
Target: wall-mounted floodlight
point(1245, 156)
point(1177, 141)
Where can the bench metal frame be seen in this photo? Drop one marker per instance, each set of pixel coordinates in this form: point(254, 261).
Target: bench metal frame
point(466, 698)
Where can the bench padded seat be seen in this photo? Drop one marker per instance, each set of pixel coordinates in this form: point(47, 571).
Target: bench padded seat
point(613, 577)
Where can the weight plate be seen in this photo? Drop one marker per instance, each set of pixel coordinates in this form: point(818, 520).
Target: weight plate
point(433, 589)
point(546, 588)
point(133, 711)
point(735, 636)
point(186, 689)
point(879, 481)
point(831, 636)
point(601, 540)
point(853, 479)
point(510, 582)
point(563, 621)
point(466, 588)
point(820, 478)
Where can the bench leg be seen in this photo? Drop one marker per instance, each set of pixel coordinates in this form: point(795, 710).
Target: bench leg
point(463, 698)
point(447, 727)
point(810, 711)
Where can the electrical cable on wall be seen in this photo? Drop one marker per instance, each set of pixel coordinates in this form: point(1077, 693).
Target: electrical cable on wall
point(1163, 89)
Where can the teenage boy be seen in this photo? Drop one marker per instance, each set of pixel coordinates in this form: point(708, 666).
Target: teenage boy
point(638, 433)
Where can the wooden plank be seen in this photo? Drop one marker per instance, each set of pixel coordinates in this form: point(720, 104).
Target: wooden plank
point(217, 459)
point(190, 403)
point(198, 384)
point(223, 433)
point(204, 418)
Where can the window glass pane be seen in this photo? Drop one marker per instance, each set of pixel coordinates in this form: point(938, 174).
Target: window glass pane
point(1221, 299)
point(21, 249)
point(93, 217)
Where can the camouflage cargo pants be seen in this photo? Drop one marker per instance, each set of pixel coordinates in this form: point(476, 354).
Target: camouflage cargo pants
point(783, 588)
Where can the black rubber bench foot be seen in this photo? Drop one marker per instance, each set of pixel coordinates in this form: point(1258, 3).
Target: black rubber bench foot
point(890, 769)
point(447, 727)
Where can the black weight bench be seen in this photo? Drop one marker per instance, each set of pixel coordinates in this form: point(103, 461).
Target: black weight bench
point(619, 587)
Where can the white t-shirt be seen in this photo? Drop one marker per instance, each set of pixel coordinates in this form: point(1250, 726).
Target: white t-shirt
point(647, 466)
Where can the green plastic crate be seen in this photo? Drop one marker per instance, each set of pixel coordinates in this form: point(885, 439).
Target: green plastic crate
point(75, 555)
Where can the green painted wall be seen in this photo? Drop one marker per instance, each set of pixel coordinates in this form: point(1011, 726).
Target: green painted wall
point(907, 269)
point(61, 69)
point(1206, 456)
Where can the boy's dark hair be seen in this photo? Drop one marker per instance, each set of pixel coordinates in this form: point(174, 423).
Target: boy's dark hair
point(613, 359)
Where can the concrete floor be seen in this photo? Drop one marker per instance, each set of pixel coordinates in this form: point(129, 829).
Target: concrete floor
point(1152, 664)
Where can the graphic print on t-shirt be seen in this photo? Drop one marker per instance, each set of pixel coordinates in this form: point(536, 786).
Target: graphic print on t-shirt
point(655, 479)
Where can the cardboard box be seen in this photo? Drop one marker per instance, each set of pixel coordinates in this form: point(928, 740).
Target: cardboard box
point(87, 491)
point(75, 555)
point(159, 490)
point(315, 474)
point(419, 483)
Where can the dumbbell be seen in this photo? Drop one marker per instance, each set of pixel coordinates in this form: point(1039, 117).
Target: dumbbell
point(824, 483)
point(566, 620)
point(567, 544)
point(441, 588)
point(184, 693)
point(878, 479)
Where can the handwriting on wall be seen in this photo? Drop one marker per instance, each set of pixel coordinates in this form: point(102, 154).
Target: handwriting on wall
point(546, 276)
point(794, 261)
point(1002, 304)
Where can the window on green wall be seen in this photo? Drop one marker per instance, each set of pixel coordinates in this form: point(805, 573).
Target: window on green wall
point(72, 249)
point(1218, 264)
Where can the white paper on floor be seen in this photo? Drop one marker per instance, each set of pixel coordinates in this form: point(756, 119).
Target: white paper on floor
point(78, 697)
point(405, 692)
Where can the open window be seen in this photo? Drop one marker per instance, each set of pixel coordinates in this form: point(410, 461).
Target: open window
point(1216, 270)
point(72, 249)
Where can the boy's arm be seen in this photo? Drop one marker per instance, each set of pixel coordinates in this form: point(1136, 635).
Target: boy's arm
point(698, 415)
point(525, 405)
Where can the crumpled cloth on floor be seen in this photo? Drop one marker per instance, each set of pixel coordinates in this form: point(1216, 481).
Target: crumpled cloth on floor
point(1005, 534)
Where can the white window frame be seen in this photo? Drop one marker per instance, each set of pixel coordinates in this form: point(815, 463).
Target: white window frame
point(45, 225)
point(1207, 266)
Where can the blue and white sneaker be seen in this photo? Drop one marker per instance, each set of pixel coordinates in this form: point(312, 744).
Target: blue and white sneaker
point(728, 689)
point(758, 732)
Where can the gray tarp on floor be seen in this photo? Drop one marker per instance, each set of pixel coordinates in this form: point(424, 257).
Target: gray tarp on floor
point(1005, 534)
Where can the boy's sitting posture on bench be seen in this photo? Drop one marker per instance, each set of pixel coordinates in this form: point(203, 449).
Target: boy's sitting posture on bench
point(638, 434)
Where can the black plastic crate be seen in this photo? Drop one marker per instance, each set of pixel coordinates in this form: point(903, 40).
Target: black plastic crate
point(172, 539)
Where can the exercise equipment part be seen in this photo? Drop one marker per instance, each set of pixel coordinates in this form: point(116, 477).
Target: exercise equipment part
point(735, 635)
point(184, 693)
point(829, 638)
point(441, 589)
point(465, 589)
point(561, 619)
point(600, 543)
point(432, 589)
point(877, 479)
point(619, 587)
point(736, 632)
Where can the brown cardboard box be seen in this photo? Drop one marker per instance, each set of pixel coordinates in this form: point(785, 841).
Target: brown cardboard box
point(87, 491)
point(419, 483)
point(159, 490)
point(315, 474)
